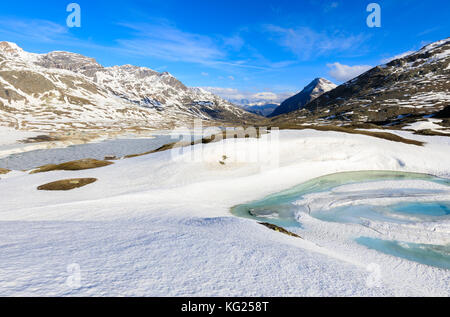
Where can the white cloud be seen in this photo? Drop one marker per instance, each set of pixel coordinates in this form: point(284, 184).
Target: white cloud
point(248, 97)
point(230, 77)
point(269, 96)
point(390, 59)
point(344, 73)
point(205, 74)
point(227, 93)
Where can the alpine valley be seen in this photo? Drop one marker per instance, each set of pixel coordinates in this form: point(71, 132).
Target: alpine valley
point(102, 196)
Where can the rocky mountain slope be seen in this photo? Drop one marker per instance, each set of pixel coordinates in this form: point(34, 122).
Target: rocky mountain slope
point(314, 90)
point(406, 91)
point(67, 91)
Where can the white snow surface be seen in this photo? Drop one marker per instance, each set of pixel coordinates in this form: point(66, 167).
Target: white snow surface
point(158, 226)
point(429, 124)
point(10, 136)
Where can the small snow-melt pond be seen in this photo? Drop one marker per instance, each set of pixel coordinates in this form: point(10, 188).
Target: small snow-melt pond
point(365, 198)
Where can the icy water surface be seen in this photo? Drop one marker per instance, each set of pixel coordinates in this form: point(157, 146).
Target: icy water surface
point(362, 198)
point(114, 147)
point(428, 254)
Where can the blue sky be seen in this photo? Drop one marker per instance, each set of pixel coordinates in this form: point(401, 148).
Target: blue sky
point(244, 48)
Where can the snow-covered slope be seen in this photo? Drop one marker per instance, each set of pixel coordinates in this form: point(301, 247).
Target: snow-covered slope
point(315, 89)
point(170, 232)
point(67, 91)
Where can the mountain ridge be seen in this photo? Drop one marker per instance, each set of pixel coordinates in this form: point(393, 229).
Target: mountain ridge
point(63, 91)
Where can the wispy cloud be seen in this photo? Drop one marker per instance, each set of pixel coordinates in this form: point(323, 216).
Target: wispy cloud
point(43, 31)
point(428, 31)
point(330, 6)
point(166, 42)
point(169, 43)
point(343, 73)
point(39, 30)
point(235, 42)
point(307, 43)
point(159, 39)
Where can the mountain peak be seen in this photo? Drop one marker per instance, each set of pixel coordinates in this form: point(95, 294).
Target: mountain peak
point(315, 89)
point(319, 86)
point(10, 49)
point(434, 45)
point(4, 46)
point(320, 80)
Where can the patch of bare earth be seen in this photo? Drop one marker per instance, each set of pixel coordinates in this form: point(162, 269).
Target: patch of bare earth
point(279, 229)
point(4, 171)
point(41, 138)
point(67, 184)
point(72, 166)
point(429, 132)
point(381, 135)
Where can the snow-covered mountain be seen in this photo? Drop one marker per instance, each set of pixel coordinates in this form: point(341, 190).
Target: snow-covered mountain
point(412, 90)
point(314, 90)
point(66, 91)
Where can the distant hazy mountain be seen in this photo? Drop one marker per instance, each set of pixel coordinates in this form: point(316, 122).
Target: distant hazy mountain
point(262, 110)
point(409, 89)
point(67, 91)
point(314, 90)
